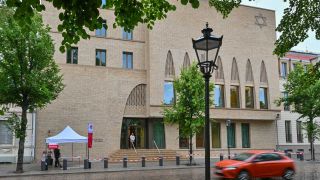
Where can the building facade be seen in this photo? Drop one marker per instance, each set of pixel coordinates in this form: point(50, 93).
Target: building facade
point(121, 82)
point(291, 135)
point(9, 144)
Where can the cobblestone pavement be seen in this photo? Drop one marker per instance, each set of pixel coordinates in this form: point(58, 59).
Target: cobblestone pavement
point(306, 170)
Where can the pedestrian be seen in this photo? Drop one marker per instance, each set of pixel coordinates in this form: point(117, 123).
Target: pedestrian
point(57, 155)
point(132, 140)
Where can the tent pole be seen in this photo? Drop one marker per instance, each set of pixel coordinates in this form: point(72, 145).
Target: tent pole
point(72, 152)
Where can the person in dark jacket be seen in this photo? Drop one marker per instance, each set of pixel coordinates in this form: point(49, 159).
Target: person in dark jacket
point(57, 155)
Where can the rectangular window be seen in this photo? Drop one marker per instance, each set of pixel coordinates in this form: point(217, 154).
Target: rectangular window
point(299, 132)
point(263, 98)
point(100, 57)
point(126, 35)
point(200, 139)
point(284, 71)
point(6, 136)
point(183, 142)
point(285, 106)
point(249, 97)
point(245, 130)
point(288, 131)
point(219, 96)
point(103, 3)
point(168, 96)
point(102, 32)
point(127, 60)
point(231, 135)
point(215, 135)
point(72, 55)
point(234, 97)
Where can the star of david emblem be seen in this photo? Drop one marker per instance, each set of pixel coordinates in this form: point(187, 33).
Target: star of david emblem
point(261, 20)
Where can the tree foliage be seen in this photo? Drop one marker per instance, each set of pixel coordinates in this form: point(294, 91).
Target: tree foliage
point(79, 16)
point(188, 110)
point(29, 76)
point(303, 87)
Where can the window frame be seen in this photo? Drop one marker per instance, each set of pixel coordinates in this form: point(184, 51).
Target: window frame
point(100, 51)
point(164, 94)
point(238, 96)
point(127, 35)
point(284, 69)
point(299, 132)
point(125, 60)
point(221, 96)
point(265, 95)
point(70, 55)
point(102, 32)
point(216, 127)
point(252, 98)
point(234, 137)
point(288, 131)
point(242, 135)
point(8, 132)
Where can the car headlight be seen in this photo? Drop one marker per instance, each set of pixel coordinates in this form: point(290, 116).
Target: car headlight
point(231, 168)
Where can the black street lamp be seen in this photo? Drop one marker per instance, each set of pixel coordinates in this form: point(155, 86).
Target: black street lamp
point(202, 46)
point(228, 135)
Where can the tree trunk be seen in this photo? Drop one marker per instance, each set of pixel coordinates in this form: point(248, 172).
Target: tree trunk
point(23, 126)
point(190, 150)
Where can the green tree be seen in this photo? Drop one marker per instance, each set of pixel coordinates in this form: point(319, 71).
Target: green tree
point(29, 76)
point(303, 87)
point(77, 16)
point(188, 110)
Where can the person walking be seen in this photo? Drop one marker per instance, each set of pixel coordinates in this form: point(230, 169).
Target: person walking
point(57, 155)
point(132, 140)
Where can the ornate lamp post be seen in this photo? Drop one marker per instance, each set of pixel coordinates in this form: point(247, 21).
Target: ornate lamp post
point(202, 46)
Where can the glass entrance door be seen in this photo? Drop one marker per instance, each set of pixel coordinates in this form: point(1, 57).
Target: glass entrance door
point(137, 127)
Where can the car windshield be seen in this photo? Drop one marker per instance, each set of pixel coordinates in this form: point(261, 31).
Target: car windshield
point(242, 156)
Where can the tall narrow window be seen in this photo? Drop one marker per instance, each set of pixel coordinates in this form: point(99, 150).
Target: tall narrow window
point(215, 134)
point(249, 74)
point(102, 32)
point(200, 138)
point(100, 57)
point(127, 60)
point(284, 71)
point(6, 136)
point(234, 97)
point(186, 61)
point(288, 131)
point(183, 142)
point(231, 135)
point(263, 98)
point(72, 55)
point(285, 106)
point(219, 96)
point(126, 35)
point(168, 97)
point(245, 131)
point(249, 97)
point(299, 132)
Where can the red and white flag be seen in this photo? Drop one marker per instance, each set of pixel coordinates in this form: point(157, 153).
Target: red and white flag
point(90, 134)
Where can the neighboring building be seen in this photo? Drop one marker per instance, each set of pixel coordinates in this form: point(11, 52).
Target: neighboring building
point(121, 81)
point(9, 144)
point(291, 136)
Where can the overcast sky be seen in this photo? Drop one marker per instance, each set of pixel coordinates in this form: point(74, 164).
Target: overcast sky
point(310, 44)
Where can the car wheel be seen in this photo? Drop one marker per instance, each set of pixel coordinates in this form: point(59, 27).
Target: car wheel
point(243, 175)
point(288, 174)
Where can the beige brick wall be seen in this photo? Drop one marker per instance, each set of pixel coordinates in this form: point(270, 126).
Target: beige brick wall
point(99, 94)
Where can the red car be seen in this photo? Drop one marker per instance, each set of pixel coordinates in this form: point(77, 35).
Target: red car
point(256, 164)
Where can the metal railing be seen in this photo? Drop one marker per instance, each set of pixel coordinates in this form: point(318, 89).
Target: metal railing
point(156, 146)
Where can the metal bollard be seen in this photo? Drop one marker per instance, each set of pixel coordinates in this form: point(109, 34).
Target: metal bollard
point(43, 165)
point(105, 162)
point(143, 161)
point(89, 164)
point(177, 160)
point(221, 156)
point(64, 164)
point(125, 162)
point(160, 161)
point(86, 164)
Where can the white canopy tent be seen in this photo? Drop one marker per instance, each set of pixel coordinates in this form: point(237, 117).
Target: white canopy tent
point(68, 135)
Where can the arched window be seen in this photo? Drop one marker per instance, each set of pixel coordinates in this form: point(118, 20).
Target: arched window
point(263, 74)
point(137, 96)
point(186, 61)
point(169, 71)
point(249, 74)
point(234, 71)
point(219, 76)
point(263, 90)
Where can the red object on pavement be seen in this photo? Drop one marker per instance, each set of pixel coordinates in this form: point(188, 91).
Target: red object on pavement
point(53, 146)
point(89, 140)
